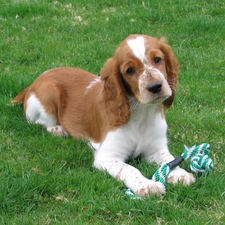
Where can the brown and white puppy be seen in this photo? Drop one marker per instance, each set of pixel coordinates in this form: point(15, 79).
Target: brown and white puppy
point(120, 113)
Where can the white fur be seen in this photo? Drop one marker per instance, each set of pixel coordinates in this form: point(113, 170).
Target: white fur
point(57, 130)
point(145, 95)
point(35, 113)
point(137, 46)
point(144, 134)
point(91, 84)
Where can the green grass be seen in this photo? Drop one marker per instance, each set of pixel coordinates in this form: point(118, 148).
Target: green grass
point(50, 180)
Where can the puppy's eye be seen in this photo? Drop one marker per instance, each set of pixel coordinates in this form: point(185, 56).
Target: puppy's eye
point(130, 71)
point(157, 60)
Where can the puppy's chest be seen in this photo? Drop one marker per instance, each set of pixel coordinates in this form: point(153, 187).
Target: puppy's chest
point(145, 121)
point(146, 126)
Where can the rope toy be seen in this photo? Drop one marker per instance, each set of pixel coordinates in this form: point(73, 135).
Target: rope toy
point(200, 162)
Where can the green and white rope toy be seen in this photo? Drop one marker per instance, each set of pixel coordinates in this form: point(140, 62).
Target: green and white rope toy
point(200, 162)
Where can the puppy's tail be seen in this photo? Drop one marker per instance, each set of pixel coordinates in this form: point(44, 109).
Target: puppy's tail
point(20, 97)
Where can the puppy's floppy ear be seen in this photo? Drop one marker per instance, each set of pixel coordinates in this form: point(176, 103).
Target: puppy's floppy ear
point(116, 103)
point(172, 71)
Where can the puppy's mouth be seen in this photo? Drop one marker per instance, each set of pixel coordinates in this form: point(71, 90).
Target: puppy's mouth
point(152, 98)
point(158, 92)
point(160, 98)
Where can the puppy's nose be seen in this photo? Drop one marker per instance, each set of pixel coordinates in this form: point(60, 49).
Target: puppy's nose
point(155, 87)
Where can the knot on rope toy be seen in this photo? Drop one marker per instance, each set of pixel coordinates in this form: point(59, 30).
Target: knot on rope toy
point(200, 162)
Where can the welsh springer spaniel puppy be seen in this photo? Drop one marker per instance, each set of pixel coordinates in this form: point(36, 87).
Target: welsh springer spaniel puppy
point(120, 113)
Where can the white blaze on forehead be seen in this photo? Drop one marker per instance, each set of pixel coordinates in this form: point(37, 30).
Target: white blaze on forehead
point(137, 46)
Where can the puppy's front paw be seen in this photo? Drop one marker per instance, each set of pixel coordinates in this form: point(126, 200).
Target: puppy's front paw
point(180, 175)
point(149, 187)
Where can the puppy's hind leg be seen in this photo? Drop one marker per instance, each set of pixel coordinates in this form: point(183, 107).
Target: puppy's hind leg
point(36, 113)
point(57, 130)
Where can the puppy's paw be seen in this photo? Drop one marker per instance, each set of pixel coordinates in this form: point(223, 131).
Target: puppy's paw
point(149, 187)
point(180, 175)
point(57, 131)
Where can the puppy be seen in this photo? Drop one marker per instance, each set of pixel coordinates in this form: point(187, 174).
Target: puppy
point(120, 113)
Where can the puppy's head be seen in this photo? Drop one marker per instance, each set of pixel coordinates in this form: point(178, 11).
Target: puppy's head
point(143, 67)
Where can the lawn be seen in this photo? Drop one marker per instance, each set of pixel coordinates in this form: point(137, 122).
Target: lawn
point(50, 180)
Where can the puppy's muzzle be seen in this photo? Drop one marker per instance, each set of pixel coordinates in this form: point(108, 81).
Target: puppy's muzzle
point(155, 87)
